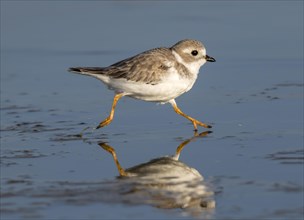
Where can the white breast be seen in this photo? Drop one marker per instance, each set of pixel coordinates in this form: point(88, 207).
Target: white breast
point(171, 87)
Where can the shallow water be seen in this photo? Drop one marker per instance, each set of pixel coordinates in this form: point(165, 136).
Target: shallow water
point(252, 163)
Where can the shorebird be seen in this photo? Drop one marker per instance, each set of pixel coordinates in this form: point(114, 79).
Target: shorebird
point(157, 75)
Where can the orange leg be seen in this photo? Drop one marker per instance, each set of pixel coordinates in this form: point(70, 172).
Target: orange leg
point(109, 119)
point(194, 121)
point(184, 143)
point(108, 148)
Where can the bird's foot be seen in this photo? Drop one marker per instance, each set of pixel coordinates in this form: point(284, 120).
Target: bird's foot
point(105, 122)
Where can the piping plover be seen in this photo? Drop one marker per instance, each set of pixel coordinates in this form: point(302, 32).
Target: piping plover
point(156, 75)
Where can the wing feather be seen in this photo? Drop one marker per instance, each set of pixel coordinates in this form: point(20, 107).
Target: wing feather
point(148, 67)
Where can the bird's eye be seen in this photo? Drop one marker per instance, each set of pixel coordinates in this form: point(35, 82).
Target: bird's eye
point(194, 52)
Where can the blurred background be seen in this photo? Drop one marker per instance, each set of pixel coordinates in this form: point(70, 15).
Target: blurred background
point(252, 95)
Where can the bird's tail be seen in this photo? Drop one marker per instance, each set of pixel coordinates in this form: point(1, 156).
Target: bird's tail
point(87, 70)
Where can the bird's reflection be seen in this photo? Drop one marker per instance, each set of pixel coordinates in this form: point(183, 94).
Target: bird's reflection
point(164, 182)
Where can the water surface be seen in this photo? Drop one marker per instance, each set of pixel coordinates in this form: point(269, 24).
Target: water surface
point(252, 95)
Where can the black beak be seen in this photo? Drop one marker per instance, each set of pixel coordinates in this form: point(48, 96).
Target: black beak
point(209, 59)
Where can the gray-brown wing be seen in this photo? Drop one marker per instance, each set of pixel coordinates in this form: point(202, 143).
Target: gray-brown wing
point(148, 67)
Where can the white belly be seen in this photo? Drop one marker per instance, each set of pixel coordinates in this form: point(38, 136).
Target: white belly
point(171, 87)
